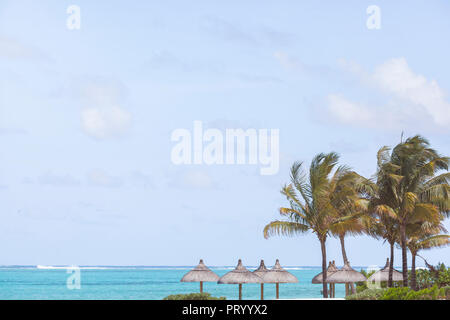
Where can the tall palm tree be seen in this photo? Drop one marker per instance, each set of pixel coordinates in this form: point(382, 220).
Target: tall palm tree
point(424, 237)
point(310, 202)
point(349, 206)
point(382, 204)
point(418, 195)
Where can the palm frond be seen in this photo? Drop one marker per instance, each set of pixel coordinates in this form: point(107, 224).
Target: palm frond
point(285, 228)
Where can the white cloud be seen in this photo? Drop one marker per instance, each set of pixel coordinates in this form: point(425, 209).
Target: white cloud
point(104, 117)
point(412, 98)
point(105, 122)
point(396, 77)
point(347, 111)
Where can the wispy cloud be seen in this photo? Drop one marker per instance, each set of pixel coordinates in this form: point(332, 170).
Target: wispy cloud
point(14, 49)
point(192, 179)
point(13, 131)
point(170, 62)
point(257, 36)
point(292, 63)
point(51, 178)
point(101, 178)
point(141, 179)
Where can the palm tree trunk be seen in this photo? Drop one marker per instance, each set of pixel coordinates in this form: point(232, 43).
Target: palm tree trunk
point(344, 257)
point(413, 271)
point(344, 254)
point(404, 254)
point(391, 265)
point(324, 266)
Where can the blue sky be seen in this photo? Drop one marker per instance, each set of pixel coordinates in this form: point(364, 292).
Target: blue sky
point(86, 117)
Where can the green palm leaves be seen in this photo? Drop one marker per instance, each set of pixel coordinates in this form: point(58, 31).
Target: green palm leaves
point(405, 202)
point(324, 202)
point(408, 190)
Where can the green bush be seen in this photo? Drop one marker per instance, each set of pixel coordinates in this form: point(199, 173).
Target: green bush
point(368, 294)
point(446, 292)
point(395, 294)
point(433, 293)
point(193, 296)
point(427, 279)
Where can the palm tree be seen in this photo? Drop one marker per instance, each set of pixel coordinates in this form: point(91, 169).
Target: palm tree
point(417, 194)
point(424, 237)
point(407, 192)
point(349, 206)
point(310, 202)
point(379, 223)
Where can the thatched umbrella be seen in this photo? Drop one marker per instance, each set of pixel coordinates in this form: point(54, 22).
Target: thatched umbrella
point(200, 273)
point(318, 279)
point(278, 275)
point(239, 276)
point(260, 272)
point(346, 275)
point(383, 274)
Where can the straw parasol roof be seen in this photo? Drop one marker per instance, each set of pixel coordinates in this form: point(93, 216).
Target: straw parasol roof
point(346, 275)
point(200, 273)
point(261, 269)
point(383, 274)
point(239, 275)
point(278, 275)
point(330, 270)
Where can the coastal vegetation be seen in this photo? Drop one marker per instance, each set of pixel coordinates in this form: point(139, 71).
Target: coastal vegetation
point(404, 203)
point(193, 296)
point(403, 293)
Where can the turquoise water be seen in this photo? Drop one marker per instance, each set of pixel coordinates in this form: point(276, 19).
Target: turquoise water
point(151, 283)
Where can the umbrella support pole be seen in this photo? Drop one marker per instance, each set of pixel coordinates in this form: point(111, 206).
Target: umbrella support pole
point(262, 291)
point(278, 290)
point(334, 290)
point(240, 291)
point(201, 286)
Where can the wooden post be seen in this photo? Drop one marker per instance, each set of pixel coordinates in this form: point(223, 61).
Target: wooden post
point(346, 289)
point(334, 290)
point(330, 294)
point(201, 286)
point(262, 291)
point(278, 290)
point(240, 291)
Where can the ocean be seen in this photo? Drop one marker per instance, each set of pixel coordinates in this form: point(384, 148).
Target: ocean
point(143, 283)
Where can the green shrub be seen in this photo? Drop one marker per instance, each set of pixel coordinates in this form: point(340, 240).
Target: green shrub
point(395, 294)
point(193, 296)
point(427, 279)
point(368, 294)
point(433, 293)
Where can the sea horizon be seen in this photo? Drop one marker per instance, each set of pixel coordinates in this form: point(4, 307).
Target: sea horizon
point(30, 282)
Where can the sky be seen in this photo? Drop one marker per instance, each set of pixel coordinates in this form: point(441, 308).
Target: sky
point(86, 117)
